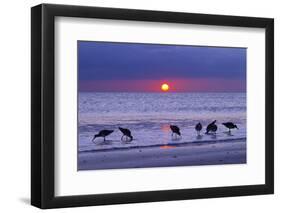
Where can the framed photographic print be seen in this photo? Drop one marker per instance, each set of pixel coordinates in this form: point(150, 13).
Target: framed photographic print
point(139, 106)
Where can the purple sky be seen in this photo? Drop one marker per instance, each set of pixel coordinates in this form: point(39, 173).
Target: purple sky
point(132, 67)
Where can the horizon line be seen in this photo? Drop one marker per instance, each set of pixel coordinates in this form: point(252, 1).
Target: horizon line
point(165, 92)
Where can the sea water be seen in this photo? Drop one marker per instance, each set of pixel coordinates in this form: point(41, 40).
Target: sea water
point(149, 116)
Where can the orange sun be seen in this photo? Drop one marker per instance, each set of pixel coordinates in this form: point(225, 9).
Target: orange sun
point(165, 87)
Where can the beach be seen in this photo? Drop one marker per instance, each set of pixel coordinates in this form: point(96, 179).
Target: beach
point(165, 99)
point(148, 116)
point(188, 154)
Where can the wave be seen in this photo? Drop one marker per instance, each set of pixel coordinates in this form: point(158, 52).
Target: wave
point(143, 103)
point(171, 145)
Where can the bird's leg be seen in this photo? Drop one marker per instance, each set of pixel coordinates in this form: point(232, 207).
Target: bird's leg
point(122, 137)
point(103, 139)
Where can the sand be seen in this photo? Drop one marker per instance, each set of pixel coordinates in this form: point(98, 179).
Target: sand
point(233, 152)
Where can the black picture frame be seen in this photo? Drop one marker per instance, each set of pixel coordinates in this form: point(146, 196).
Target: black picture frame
point(43, 114)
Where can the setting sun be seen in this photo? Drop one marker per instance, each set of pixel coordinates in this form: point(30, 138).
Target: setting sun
point(165, 87)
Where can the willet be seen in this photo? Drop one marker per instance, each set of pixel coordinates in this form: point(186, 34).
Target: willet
point(175, 130)
point(103, 133)
point(126, 132)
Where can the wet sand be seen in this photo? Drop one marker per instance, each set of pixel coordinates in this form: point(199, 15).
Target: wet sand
point(233, 152)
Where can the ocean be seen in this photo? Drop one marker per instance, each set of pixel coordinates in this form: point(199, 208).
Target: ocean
point(149, 115)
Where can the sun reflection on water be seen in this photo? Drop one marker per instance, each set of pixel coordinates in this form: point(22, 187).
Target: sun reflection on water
point(166, 147)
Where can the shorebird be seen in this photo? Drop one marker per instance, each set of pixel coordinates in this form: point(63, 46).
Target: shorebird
point(127, 133)
point(175, 130)
point(230, 126)
point(103, 133)
point(198, 128)
point(212, 127)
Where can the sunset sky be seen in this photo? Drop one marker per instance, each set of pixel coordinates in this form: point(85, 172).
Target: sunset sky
point(132, 67)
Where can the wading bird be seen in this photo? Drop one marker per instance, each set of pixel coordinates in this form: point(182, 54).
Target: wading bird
point(198, 128)
point(212, 127)
point(103, 133)
point(175, 130)
point(127, 133)
point(230, 126)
